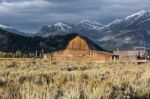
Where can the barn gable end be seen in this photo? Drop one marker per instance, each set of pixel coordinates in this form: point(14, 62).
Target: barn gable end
point(78, 43)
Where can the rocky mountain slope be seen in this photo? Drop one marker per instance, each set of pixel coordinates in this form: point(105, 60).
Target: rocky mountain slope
point(58, 28)
point(127, 33)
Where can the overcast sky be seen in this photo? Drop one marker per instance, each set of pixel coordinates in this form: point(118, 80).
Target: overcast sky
point(30, 15)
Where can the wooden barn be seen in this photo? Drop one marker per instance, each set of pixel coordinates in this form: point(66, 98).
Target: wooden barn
point(80, 48)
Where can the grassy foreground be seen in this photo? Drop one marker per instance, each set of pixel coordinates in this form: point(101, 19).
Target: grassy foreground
point(45, 79)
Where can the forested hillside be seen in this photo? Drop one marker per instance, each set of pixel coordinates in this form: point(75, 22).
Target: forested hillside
point(10, 42)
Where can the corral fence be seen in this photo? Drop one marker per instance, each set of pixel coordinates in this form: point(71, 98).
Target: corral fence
point(138, 54)
point(19, 54)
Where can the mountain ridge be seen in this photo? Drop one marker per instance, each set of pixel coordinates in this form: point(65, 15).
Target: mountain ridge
point(13, 30)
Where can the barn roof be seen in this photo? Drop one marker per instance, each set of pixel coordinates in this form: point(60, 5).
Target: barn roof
point(91, 44)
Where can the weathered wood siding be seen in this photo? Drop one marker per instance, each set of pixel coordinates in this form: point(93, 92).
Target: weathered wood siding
point(78, 44)
point(84, 55)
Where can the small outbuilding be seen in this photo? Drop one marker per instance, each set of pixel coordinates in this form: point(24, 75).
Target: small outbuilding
point(80, 48)
point(139, 55)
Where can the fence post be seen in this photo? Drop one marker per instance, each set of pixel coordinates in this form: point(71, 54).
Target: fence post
point(36, 54)
point(42, 52)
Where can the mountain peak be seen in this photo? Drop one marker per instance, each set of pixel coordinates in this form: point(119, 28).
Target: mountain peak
point(58, 28)
point(63, 26)
point(129, 21)
point(138, 14)
point(59, 24)
point(88, 22)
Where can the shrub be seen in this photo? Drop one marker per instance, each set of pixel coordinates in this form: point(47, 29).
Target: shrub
point(18, 54)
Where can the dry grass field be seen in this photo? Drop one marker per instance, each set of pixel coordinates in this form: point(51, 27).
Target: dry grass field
point(45, 79)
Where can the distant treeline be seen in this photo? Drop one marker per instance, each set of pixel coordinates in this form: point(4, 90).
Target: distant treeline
point(12, 43)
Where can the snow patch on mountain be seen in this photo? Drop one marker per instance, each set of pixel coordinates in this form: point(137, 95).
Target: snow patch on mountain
point(58, 28)
point(106, 38)
point(3, 26)
point(114, 22)
point(62, 26)
point(136, 15)
point(94, 25)
point(127, 40)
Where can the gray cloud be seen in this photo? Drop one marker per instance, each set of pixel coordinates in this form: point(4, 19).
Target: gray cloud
point(30, 15)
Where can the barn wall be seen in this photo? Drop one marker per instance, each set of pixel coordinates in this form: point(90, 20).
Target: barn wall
point(84, 55)
point(78, 44)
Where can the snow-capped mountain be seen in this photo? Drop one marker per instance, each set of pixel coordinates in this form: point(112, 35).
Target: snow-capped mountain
point(91, 29)
point(132, 21)
point(58, 28)
point(12, 30)
point(91, 25)
point(134, 30)
point(85, 27)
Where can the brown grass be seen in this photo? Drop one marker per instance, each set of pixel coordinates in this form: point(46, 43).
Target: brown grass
point(45, 79)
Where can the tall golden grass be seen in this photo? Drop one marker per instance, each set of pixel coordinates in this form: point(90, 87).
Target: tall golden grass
point(45, 79)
